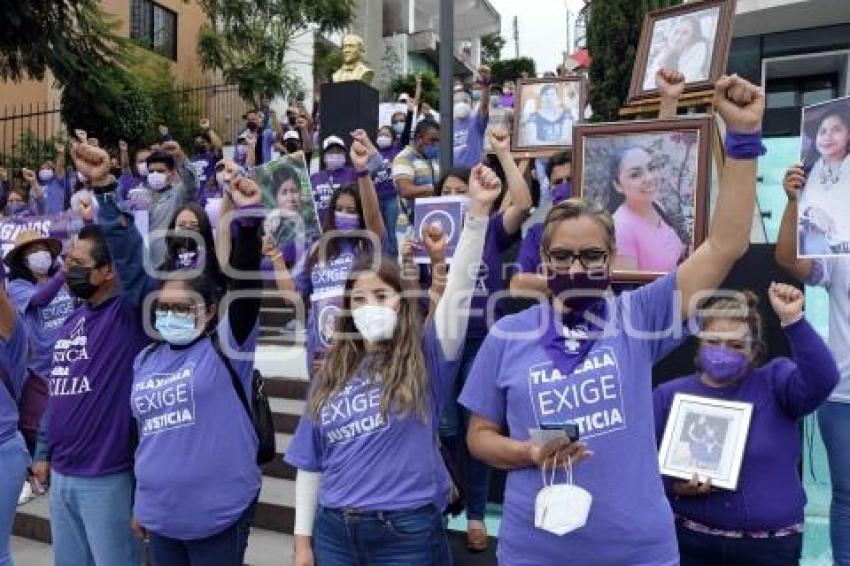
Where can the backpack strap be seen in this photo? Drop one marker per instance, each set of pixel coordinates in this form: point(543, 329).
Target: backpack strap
point(240, 391)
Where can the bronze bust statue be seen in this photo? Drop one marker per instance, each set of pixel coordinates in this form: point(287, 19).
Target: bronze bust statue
point(353, 68)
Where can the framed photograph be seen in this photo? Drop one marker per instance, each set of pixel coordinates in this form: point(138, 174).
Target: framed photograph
point(447, 212)
point(288, 197)
point(705, 436)
point(823, 221)
point(546, 111)
point(653, 177)
point(691, 38)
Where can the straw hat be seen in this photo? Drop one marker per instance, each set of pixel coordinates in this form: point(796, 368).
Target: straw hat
point(27, 237)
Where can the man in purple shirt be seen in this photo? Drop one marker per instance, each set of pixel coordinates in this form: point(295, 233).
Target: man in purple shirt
point(470, 124)
point(86, 431)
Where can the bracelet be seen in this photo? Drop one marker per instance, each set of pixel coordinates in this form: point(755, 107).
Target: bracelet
point(744, 146)
point(276, 257)
point(363, 173)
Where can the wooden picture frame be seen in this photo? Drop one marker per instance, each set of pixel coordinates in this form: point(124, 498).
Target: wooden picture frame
point(529, 96)
point(651, 53)
point(707, 437)
point(675, 155)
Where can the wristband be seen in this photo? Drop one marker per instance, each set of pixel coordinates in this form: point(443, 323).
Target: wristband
point(744, 146)
point(363, 173)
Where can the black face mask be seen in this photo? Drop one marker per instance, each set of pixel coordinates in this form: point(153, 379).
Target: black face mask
point(291, 146)
point(200, 148)
point(79, 282)
point(115, 171)
point(252, 126)
point(291, 120)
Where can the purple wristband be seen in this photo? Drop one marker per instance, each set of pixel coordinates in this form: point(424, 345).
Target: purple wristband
point(744, 146)
point(245, 216)
point(363, 173)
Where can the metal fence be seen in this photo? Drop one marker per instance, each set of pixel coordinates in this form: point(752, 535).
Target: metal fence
point(28, 130)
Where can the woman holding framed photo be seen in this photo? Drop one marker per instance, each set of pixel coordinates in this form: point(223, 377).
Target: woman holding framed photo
point(763, 516)
point(581, 362)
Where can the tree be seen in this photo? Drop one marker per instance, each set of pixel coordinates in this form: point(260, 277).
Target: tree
point(512, 69)
point(71, 38)
point(430, 87)
point(248, 39)
point(491, 48)
point(613, 33)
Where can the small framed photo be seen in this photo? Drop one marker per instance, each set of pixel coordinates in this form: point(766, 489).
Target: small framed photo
point(692, 38)
point(653, 177)
point(546, 111)
point(447, 212)
point(823, 221)
point(707, 437)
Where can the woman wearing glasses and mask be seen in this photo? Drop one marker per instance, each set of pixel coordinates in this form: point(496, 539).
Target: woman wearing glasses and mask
point(581, 361)
point(196, 472)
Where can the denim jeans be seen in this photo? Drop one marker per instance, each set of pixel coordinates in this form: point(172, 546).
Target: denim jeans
point(14, 460)
point(834, 423)
point(226, 548)
point(453, 425)
point(698, 549)
point(381, 538)
point(389, 212)
point(90, 520)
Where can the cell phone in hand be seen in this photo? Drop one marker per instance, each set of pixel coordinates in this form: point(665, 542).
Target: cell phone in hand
point(571, 429)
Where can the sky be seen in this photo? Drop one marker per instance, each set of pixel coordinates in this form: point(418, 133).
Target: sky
point(542, 29)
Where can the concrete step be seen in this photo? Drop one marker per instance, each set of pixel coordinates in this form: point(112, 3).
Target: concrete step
point(286, 413)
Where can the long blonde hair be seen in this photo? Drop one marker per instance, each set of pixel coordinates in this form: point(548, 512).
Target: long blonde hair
point(399, 362)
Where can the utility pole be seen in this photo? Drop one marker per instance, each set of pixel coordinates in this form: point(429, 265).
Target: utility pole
point(447, 40)
point(516, 37)
point(569, 45)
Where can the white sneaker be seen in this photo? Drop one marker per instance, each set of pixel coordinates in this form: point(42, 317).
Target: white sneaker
point(26, 494)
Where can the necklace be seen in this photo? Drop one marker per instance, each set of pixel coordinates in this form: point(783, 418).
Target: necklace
point(830, 176)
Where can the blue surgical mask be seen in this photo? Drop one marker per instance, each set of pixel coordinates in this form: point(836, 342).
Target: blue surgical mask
point(334, 161)
point(346, 222)
point(177, 329)
point(15, 207)
point(561, 191)
point(398, 127)
point(432, 151)
point(476, 95)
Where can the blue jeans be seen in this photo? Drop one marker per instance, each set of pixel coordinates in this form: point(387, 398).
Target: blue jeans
point(90, 520)
point(381, 538)
point(226, 548)
point(453, 425)
point(834, 423)
point(389, 212)
point(14, 460)
point(698, 549)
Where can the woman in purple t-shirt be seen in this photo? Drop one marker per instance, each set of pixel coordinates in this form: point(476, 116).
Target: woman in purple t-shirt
point(763, 516)
point(583, 360)
point(370, 427)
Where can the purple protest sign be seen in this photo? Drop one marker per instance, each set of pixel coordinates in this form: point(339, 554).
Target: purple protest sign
point(446, 212)
point(62, 226)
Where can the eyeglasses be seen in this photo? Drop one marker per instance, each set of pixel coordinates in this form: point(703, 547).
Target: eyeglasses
point(590, 259)
point(177, 308)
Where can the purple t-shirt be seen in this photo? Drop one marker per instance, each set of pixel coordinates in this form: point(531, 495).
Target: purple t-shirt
point(43, 322)
point(469, 140)
point(326, 182)
point(490, 277)
point(13, 370)
point(769, 495)
point(89, 419)
point(56, 194)
point(383, 179)
point(127, 182)
point(196, 443)
point(514, 383)
point(368, 462)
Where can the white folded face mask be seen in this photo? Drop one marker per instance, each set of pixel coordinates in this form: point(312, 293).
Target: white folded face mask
point(561, 508)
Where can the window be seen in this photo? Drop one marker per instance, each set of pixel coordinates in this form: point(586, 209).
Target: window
point(154, 26)
point(787, 96)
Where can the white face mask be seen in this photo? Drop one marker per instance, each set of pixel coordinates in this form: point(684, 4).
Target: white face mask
point(142, 168)
point(561, 508)
point(156, 180)
point(376, 323)
point(40, 262)
point(384, 141)
point(462, 110)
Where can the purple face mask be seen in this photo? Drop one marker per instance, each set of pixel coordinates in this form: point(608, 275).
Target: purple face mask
point(722, 364)
point(578, 291)
point(561, 191)
point(346, 222)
